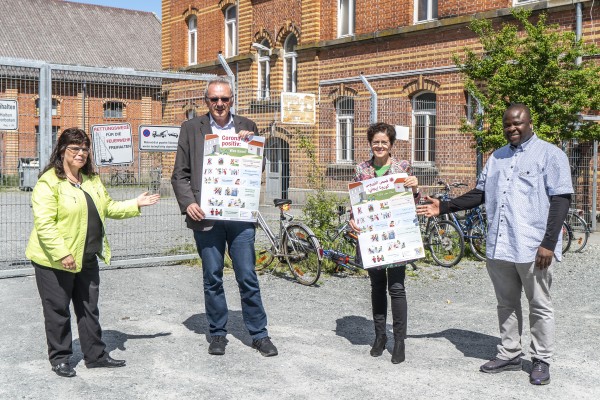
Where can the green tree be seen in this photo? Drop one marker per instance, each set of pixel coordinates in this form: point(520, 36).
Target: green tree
point(534, 64)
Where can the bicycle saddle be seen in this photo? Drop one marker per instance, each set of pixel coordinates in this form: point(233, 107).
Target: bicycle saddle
point(281, 202)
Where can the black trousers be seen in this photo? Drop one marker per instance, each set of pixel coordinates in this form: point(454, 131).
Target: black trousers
point(57, 289)
point(383, 281)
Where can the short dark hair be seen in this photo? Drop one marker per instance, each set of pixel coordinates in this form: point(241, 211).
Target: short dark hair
point(519, 106)
point(68, 137)
point(381, 127)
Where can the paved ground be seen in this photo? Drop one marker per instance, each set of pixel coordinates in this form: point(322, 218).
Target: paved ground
point(154, 318)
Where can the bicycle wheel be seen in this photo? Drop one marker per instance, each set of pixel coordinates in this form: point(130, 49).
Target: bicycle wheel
point(446, 243)
point(477, 234)
point(301, 252)
point(580, 232)
point(114, 179)
point(567, 237)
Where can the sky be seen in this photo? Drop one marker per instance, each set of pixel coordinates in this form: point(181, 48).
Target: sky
point(142, 5)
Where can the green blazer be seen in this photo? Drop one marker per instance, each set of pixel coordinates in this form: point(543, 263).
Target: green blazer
point(60, 216)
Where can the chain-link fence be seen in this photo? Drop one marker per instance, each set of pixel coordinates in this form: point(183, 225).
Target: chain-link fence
point(299, 157)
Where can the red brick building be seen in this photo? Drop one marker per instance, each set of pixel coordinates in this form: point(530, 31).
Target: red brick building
point(403, 48)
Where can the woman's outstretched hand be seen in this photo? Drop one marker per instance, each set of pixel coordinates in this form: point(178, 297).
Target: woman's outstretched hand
point(146, 199)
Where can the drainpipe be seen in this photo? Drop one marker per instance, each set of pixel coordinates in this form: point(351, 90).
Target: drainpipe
point(578, 36)
point(231, 76)
point(373, 98)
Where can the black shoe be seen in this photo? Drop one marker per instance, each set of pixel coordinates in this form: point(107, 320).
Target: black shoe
point(107, 362)
point(398, 355)
point(498, 365)
point(265, 347)
point(540, 373)
point(217, 345)
point(64, 370)
point(379, 345)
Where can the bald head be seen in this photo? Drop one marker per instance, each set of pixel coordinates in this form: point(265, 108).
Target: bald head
point(517, 124)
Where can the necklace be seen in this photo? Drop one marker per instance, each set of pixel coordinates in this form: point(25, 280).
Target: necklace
point(75, 182)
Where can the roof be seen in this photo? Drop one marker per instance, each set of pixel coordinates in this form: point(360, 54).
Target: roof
point(63, 32)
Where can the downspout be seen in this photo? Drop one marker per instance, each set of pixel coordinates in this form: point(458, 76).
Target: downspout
point(231, 76)
point(364, 80)
point(578, 61)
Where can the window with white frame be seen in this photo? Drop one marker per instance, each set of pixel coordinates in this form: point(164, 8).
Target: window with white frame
point(231, 31)
point(264, 70)
point(345, 17)
point(424, 119)
point(344, 114)
point(113, 109)
point(519, 2)
point(192, 40)
point(426, 10)
point(290, 71)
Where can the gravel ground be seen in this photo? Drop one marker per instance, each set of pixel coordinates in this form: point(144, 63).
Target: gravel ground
point(154, 318)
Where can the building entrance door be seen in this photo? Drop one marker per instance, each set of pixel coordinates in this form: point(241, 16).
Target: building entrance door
point(277, 154)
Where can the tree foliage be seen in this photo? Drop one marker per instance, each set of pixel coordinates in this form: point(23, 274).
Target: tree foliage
point(534, 64)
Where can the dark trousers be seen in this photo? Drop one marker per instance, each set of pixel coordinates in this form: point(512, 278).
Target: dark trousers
point(57, 289)
point(389, 280)
point(239, 237)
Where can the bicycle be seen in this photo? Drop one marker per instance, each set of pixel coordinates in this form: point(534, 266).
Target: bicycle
point(567, 237)
point(126, 177)
point(443, 239)
point(295, 244)
point(344, 253)
point(473, 225)
point(579, 230)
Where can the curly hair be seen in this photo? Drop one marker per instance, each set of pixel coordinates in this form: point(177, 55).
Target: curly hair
point(68, 137)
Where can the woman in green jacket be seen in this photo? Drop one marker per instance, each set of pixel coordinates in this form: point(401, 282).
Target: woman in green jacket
point(70, 204)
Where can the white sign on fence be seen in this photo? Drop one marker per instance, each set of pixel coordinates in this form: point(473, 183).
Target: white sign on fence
point(9, 115)
point(158, 137)
point(298, 108)
point(113, 144)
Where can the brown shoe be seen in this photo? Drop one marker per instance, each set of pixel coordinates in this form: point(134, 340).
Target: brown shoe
point(497, 365)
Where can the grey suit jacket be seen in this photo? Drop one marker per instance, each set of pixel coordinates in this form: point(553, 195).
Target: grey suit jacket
point(187, 172)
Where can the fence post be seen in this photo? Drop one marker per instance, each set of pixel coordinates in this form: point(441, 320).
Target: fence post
point(373, 98)
point(45, 103)
point(595, 187)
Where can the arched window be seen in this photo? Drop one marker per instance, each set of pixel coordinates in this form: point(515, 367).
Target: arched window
point(264, 70)
point(231, 31)
point(344, 114)
point(193, 40)
point(290, 71)
point(113, 109)
point(345, 17)
point(424, 115)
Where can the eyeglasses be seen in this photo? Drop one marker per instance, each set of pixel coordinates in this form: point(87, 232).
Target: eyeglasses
point(216, 99)
point(381, 144)
point(77, 149)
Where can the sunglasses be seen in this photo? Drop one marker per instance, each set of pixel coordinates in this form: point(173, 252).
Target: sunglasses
point(216, 99)
point(77, 149)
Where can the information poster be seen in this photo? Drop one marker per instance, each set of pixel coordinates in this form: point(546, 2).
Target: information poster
point(231, 177)
point(386, 214)
point(158, 137)
point(9, 115)
point(298, 108)
point(113, 144)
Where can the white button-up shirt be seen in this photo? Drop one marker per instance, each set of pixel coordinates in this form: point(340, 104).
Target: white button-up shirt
point(518, 182)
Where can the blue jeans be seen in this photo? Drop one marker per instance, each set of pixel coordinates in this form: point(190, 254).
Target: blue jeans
point(239, 237)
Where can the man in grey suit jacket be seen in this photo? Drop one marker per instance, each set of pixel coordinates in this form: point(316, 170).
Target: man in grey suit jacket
point(212, 235)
